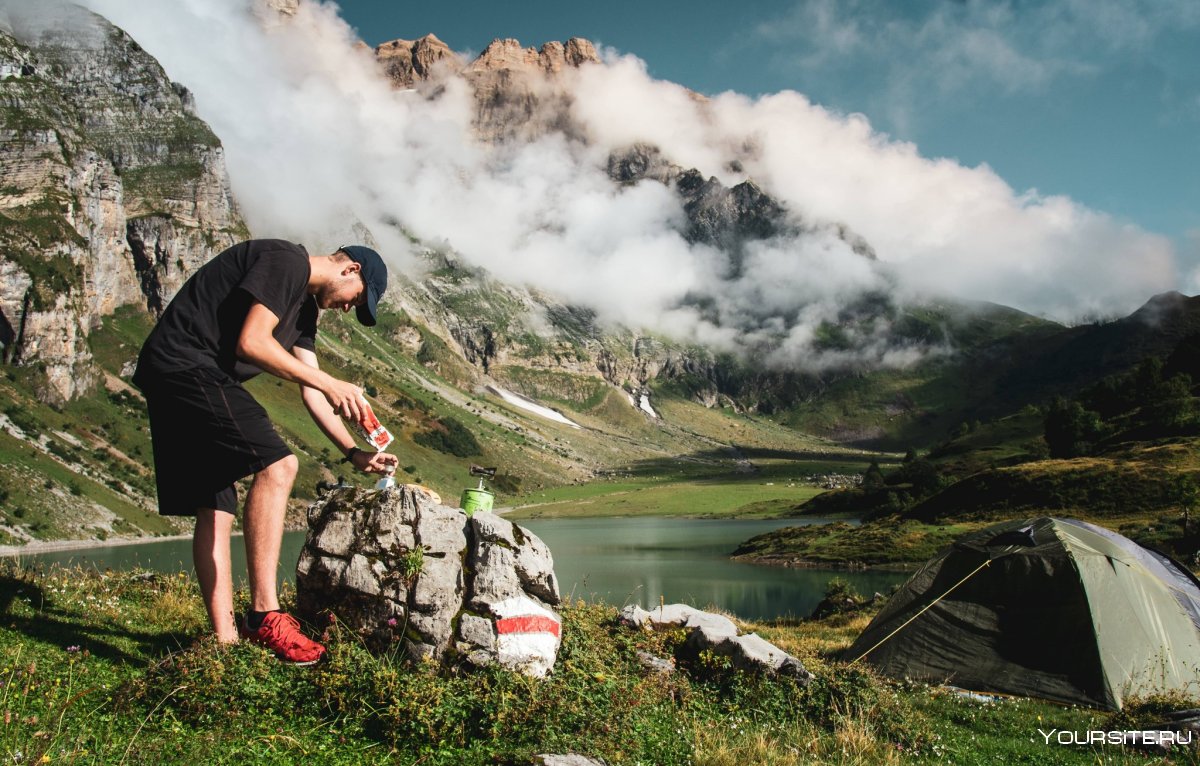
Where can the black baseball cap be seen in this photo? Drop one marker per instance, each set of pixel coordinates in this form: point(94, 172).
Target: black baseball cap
point(374, 274)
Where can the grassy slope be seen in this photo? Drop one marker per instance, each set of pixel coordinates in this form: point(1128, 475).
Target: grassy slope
point(684, 461)
point(714, 462)
point(104, 668)
point(92, 452)
point(1002, 361)
point(1127, 488)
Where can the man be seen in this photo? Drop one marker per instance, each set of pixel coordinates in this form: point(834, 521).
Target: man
point(251, 309)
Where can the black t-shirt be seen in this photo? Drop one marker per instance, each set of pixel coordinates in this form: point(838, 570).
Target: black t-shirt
point(202, 323)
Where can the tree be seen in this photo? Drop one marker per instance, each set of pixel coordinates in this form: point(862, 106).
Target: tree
point(1186, 493)
point(1070, 430)
point(1173, 405)
point(873, 478)
point(921, 474)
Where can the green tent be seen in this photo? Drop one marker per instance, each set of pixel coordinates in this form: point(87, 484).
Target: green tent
point(1052, 608)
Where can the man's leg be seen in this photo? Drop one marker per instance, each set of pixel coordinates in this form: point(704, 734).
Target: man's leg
point(210, 554)
point(266, 505)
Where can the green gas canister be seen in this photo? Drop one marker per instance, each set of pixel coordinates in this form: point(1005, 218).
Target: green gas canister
point(478, 499)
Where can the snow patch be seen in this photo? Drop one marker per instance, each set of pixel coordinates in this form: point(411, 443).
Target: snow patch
point(528, 404)
point(644, 405)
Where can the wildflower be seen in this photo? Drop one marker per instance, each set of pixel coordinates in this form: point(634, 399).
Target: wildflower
point(391, 622)
point(72, 649)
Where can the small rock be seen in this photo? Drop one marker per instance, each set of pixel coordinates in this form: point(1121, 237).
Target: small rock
point(654, 664)
point(570, 759)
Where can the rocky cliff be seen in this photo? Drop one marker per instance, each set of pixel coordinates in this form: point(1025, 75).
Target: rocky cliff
point(410, 62)
point(518, 93)
point(113, 193)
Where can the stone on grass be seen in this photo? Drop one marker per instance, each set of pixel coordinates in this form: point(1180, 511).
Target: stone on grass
point(718, 634)
point(570, 759)
point(655, 664)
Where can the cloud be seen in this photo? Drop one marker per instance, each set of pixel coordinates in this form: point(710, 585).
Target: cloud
point(924, 51)
point(953, 46)
point(317, 141)
point(1191, 256)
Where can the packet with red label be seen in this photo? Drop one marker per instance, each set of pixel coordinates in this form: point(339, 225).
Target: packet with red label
point(372, 430)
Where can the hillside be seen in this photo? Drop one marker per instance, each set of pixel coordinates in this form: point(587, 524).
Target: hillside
point(82, 470)
point(106, 220)
point(1121, 452)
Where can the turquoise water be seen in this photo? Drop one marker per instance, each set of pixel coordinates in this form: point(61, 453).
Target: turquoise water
point(615, 560)
point(640, 560)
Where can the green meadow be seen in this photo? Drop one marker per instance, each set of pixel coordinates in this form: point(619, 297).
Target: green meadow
point(112, 668)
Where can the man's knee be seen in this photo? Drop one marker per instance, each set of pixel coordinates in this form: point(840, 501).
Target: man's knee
point(282, 471)
point(213, 518)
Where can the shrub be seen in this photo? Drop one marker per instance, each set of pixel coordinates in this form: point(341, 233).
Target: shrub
point(507, 483)
point(840, 597)
point(449, 436)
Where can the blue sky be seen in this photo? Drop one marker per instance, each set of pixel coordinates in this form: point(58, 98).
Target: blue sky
point(1095, 99)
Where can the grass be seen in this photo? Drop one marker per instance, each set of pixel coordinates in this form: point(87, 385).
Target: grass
point(883, 542)
point(700, 499)
point(113, 668)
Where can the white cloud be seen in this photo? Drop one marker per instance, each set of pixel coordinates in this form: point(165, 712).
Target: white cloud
point(1191, 256)
point(316, 139)
point(958, 46)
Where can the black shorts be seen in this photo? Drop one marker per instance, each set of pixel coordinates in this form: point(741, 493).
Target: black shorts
point(208, 432)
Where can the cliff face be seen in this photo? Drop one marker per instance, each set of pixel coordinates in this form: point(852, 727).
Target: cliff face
point(113, 191)
point(518, 91)
point(410, 62)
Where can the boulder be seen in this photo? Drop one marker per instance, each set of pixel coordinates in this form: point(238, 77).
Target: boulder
point(719, 635)
point(395, 567)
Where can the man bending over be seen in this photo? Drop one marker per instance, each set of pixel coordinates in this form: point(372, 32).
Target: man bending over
point(251, 309)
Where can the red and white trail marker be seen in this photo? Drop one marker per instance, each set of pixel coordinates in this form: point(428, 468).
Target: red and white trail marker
point(527, 635)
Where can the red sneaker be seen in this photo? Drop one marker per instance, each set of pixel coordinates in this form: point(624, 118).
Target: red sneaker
point(280, 632)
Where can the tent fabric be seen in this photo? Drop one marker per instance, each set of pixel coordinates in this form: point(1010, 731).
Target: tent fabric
point(1063, 610)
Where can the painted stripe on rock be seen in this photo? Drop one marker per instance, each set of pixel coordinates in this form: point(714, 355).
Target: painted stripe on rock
point(519, 606)
point(528, 624)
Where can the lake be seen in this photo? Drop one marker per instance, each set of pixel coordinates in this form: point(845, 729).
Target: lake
point(635, 560)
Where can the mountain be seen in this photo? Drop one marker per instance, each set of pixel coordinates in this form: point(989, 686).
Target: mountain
point(114, 191)
point(518, 91)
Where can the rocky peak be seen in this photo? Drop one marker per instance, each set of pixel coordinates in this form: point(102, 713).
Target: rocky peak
point(408, 62)
point(641, 161)
point(552, 58)
point(286, 7)
point(517, 95)
point(579, 51)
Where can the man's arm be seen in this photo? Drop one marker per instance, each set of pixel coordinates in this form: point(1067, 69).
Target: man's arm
point(333, 427)
point(258, 346)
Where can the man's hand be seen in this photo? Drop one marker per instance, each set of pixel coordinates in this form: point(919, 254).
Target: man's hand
point(374, 462)
point(345, 398)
